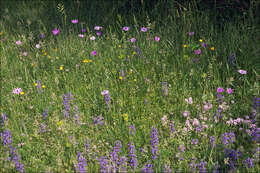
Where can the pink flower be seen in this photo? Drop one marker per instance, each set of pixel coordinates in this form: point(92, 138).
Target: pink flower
point(197, 52)
point(156, 38)
point(143, 29)
point(133, 40)
point(25, 54)
point(97, 28)
point(18, 42)
point(75, 21)
point(189, 100)
point(229, 90)
point(37, 46)
point(81, 35)
point(185, 114)
point(92, 38)
point(126, 28)
point(191, 33)
point(242, 71)
point(17, 90)
point(220, 90)
point(55, 31)
point(94, 53)
point(195, 122)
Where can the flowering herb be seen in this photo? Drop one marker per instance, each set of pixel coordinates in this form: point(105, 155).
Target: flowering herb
point(143, 29)
point(157, 39)
point(126, 28)
point(55, 31)
point(75, 21)
point(132, 155)
point(154, 142)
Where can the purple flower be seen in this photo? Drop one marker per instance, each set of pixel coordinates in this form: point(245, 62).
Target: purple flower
point(43, 128)
point(39, 86)
point(229, 91)
point(103, 165)
point(133, 40)
point(197, 52)
point(7, 138)
point(143, 29)
point(212, 141)
point(99, 33)
point(92, 38)
point(249, 162)
point(81, 167)
point(16, 158)
point(97, 28)
point(195, 60)
point(45, 113)
point(83, 30)
point(228, 138)
point(126, 28)
point(106, 95)
point(114, 155)
point(232, 59)
point(181, 148)
point(204, 45)
point(148, 168)
point(122, 73)
point(4, 120)
point(76, 115)
point(202, 167)
point(55, 31)
point(154, 142)
point(132, 155)
point(172, 126)
point(191, 33)
point(75, 21)
point(157, 39)
point(164, 89)
point(220, 90)
point(42, 35)
point(132, 129)
point(242, 71)
point(123, 164)
point(67, 98)
point(98, 120)
point(194, 141)
point(94, 53)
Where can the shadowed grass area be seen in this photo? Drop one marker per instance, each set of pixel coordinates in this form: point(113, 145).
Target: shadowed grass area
point(136, 94)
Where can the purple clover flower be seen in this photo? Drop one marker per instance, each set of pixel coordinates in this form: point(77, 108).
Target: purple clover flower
point(132, 155)
point(154, 142)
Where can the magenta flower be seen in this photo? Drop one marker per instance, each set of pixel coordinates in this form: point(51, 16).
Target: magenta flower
point(97, 28)
point(18, 42)
point(126, 28)
point(204, 45)
point(191, 33)
point(55, 31)
point(220, 90)
point(42, 35)
point(229, 90)
point(94, 53)
point(143, 29)
point(197, 52)
point(242, 71)
point(133, 40)
point(17, 90)
point(156, 38)
point(75, 21)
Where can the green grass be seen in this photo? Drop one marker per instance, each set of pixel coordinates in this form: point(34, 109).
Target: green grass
point(136, 98)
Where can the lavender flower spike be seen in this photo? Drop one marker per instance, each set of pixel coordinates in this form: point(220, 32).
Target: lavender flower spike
point(154, 142)
point(106, 95)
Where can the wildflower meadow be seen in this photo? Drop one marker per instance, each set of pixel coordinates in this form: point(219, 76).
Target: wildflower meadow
point(108, 92)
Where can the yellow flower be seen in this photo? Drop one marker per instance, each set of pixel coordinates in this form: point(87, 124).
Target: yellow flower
point(125, 117)
point(203, 75)
point(87, 60)
point(119, 46)
point(68, 144)
point(43, 86)
point(1, 33)
point(134, 52)
point(185, 45)
point(134, 80)
point(35, 84)
point(32, 64)
point(120, 77)
point(45, 53)
point(59, 123)
point(61, 67)
point(201, 40)
point(212, 48)
point(56, 49)
point(22, 93)
point(49, 56)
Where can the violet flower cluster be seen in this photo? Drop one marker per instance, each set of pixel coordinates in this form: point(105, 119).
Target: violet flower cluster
point(132, 155)
point(67, 99)
point(154, 142)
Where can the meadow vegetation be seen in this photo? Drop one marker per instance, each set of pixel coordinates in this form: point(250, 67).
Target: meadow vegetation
point(96, 91)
